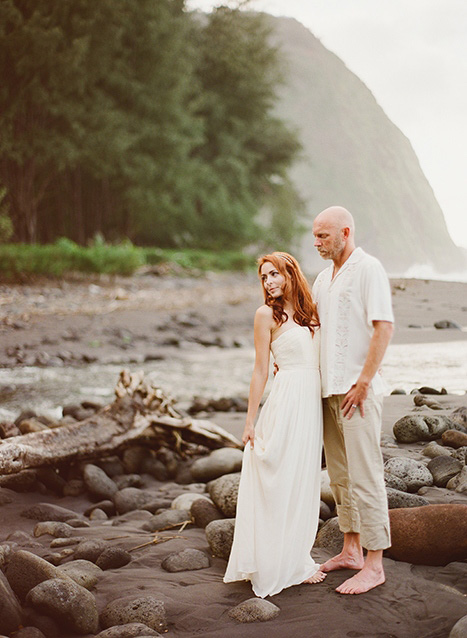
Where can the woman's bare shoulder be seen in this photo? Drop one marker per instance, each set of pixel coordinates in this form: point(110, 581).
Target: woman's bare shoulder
point(264, 316)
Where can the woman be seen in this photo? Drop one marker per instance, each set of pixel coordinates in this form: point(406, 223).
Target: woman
point(279, 493)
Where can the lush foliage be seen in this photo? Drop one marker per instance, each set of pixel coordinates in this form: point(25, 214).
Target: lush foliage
point(141, 120)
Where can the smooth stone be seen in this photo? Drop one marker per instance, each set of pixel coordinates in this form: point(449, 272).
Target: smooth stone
point(90, 550)
point(128, 480)
point(169, 518)
point(395, 482)
point(82, 572)
point(443, 469)
point(153, 466)
point(26, 570)
point(185, 501)
point(24, 481)
point(224, 493)
point(447, 324)
point(330, 536)
point(254, 610)
point(48, 512)
point(98, 483)
point(414, 474)
point(433, 449)
point(421, 400)
point(429, 535)
point(144, 609)
point(326, 494)
point(219, 535)
point(454, 438)
point(131, 498)
point(421, 427)
point(203, 511)
point(398, 391)
point(130, 630)
point(111, 465)
point(398, 499)
point(106, 506)
point(98, 515)
point(71, 605)
point(53, 528)
point(324, 511)
point(186, 560)
point(459, 482)
point(113, 558)
point(460, 628)
point(10, 609)
point(225, 460)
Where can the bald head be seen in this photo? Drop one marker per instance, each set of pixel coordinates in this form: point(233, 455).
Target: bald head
point(334, 230)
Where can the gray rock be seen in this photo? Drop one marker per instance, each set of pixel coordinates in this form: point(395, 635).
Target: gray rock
point(106, 506)
point(447, 324)
point(224, 493)
point(395, 482)
point(68, 603)
point(414, 474)
point(325, 511)
point(128, 480)
point(254, 610)
point(113, 558)
point(112, 466)
point(133, 457)
point(185, 501)
point(10, 610)
point(26, 570)
point(82, 572)
point(459, 482)
point(223, 461)
point(130, 630)
point(398, 499)
point(166, 519)
point(204, 511)
point(421, 427)
point(460, 628)
point(444, 468)
point(219, 535)
point(145, 609)
point(66, 542)
point(153, 466)
point(433, 449)
point(330, 536)
point(461, 454)
point(48, 512)
point(24, 481)
point(131, 498)
point(98, 515)
point(98, 483)
point(54, 528)
point(186, 560)
point(326, 494)
point(90, 550)
point(459, 415)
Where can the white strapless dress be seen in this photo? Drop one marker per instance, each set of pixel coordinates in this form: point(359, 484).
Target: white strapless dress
point(279, 494)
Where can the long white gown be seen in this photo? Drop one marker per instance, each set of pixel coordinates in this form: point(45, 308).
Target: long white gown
point(279, 494)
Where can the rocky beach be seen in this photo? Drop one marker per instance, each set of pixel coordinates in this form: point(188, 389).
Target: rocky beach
point(132, 541)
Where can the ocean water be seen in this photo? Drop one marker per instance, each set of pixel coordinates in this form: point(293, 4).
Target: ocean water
point(212, 372)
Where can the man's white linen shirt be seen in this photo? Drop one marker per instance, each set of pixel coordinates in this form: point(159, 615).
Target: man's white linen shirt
point(347, 305)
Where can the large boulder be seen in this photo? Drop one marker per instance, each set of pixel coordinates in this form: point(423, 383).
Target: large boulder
point(421, 427)
point(224, 493)
point(414, 474)
point(219, 535)
point(429, 535)
point(71, 605)
point(223, 461)
point(26, 570)
point(10, 610)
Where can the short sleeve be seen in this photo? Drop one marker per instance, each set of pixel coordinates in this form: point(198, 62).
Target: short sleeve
point(377, 293)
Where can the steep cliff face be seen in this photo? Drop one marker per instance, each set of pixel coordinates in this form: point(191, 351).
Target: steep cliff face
point(356, 157)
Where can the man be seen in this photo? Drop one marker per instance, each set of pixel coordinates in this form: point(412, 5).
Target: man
point(354, 304)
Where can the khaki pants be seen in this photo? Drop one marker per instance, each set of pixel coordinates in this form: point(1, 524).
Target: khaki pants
point(355, 466)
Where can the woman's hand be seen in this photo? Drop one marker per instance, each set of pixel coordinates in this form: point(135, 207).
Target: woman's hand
point(249, 435)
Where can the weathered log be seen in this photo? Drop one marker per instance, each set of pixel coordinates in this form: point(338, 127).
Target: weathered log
point(140, 411)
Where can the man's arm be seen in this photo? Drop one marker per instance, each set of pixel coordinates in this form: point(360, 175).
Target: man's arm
point(359, 391)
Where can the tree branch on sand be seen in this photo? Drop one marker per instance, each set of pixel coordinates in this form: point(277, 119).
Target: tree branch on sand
point(141, 412)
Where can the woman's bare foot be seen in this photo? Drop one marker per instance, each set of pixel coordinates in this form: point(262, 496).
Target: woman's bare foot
point(317, 577)
point(362, 582)
point(344, 561)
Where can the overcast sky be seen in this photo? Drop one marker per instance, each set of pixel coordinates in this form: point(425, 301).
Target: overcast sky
point(412, 55)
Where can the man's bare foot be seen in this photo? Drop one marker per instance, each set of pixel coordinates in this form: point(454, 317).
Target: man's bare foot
point(317, 577)
point(362, 582)
point(343, 561)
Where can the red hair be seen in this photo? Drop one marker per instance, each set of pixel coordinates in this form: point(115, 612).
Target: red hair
point(296, 289)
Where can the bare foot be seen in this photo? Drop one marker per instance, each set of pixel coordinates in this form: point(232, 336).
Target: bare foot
point(362, 582)
point(317, 577)
point(343, 561)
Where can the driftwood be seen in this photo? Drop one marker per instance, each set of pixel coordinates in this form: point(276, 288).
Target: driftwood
point(141, 411)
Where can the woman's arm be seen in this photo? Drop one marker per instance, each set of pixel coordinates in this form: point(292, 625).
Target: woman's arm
point(262, 332)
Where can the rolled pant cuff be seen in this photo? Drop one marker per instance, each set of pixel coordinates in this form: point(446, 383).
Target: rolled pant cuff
point(375, 538)
point(349, 519)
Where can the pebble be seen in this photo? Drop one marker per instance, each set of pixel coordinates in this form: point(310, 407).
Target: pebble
point(186, 560)
point(224, 492)
point(395, 482)
point(459, 482)
point(145, 609)
point(66, 602)
point(90, 550)
point(254, 610)
point(219, 535)
point(461, 454)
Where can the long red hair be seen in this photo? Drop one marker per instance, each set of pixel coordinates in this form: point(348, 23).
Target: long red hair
point(296, 289)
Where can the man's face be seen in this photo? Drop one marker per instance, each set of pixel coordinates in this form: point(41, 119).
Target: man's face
point(329, 240)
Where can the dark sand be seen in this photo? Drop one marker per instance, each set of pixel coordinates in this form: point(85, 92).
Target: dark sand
point(415, 602)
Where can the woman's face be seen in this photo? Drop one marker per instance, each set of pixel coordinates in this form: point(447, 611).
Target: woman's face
point(272, 280)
